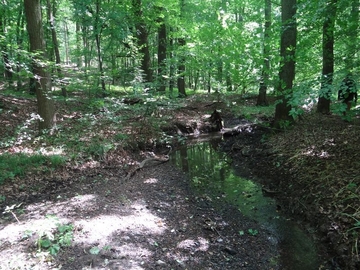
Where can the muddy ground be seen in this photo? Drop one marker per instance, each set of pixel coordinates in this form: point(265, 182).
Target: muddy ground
point(154, 220)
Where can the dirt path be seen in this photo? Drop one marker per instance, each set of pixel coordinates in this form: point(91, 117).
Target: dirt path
point(152, 221)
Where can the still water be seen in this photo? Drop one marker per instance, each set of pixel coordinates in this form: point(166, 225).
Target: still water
point(211, 172)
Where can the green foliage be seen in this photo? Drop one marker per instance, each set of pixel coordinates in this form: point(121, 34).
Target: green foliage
point(98, 149)
point(14, 165)
point(53, 239)
point(253, 232)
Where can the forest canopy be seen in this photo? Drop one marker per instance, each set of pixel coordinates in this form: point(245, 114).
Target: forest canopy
point(173, 47)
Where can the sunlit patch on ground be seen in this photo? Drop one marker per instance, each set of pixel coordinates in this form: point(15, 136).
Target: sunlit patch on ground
point(151, 181)
point(18, 240)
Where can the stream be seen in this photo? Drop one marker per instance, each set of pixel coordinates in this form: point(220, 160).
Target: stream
point(211, 172)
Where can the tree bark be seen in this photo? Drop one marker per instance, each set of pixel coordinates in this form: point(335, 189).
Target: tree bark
point(51, 18)
point(323, 105)
point(4, 50)
point(142, 40)
point(42, 77)
point(352, 33)
point(181, 71)
point(19, 41)
point(287, 65)
point(162, 46)
point(262, 99)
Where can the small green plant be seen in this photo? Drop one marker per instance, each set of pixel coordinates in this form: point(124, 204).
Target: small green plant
point(99, 149)
point(253, 232)
point(53, 239)
point(94, 250)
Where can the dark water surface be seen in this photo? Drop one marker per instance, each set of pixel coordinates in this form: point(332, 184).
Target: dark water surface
point(211, 172)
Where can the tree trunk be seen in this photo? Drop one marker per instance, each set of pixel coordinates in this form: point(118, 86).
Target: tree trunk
point(4, 50)
point(51, 18)
point(181, 60)
point(181, 71)
point(172, 66)
point(161, 54)
point(19, 42)
point(79, 59)
point(42, 77)
point(287, 66)
point(142, 40)
point(323, 105)
point(97, 31)
point(352, 33)
point(262, 99)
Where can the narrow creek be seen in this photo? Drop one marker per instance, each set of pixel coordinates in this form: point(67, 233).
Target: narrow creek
point(211, 172)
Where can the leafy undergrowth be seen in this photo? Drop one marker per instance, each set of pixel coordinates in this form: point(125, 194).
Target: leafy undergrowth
point(321, 159)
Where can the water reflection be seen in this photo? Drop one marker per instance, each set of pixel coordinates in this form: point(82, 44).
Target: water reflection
point(211, 173)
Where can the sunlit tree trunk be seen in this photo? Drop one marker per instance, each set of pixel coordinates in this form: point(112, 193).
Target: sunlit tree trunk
point(323, 105)
point(287, 65)
point(42, 77)
point(262, 99)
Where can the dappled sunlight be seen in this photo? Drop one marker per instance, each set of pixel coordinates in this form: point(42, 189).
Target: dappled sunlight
point(100, 228)
point(313, 152)
point(18, 239)
point(200, 244)
point(151, 180)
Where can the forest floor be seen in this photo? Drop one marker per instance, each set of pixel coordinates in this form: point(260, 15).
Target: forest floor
point(93, 214)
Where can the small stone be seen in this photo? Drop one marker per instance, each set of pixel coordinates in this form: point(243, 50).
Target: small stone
point(160, 262)
point(229, 251)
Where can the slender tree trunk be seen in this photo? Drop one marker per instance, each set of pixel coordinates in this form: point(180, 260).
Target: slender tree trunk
point(162, 45)
point(5, 51)
point(97, 31)
point(85, 52)
point(42, 77)
point(172, 67)
point(19, 42)
point(181, 61)
point(51, 18)
point(181, 71)
point(323, 105)
point(262, 99)
point(66, 43)
point(287, 66)
point(79, 59)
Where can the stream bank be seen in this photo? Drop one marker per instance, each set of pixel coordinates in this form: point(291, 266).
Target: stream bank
point(211, 175)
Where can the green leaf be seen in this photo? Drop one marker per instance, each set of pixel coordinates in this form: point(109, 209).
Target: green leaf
point(94, 250)
point(45, 243)
point(253, 232)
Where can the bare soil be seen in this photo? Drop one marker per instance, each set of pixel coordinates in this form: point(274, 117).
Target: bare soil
point(154, 220)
